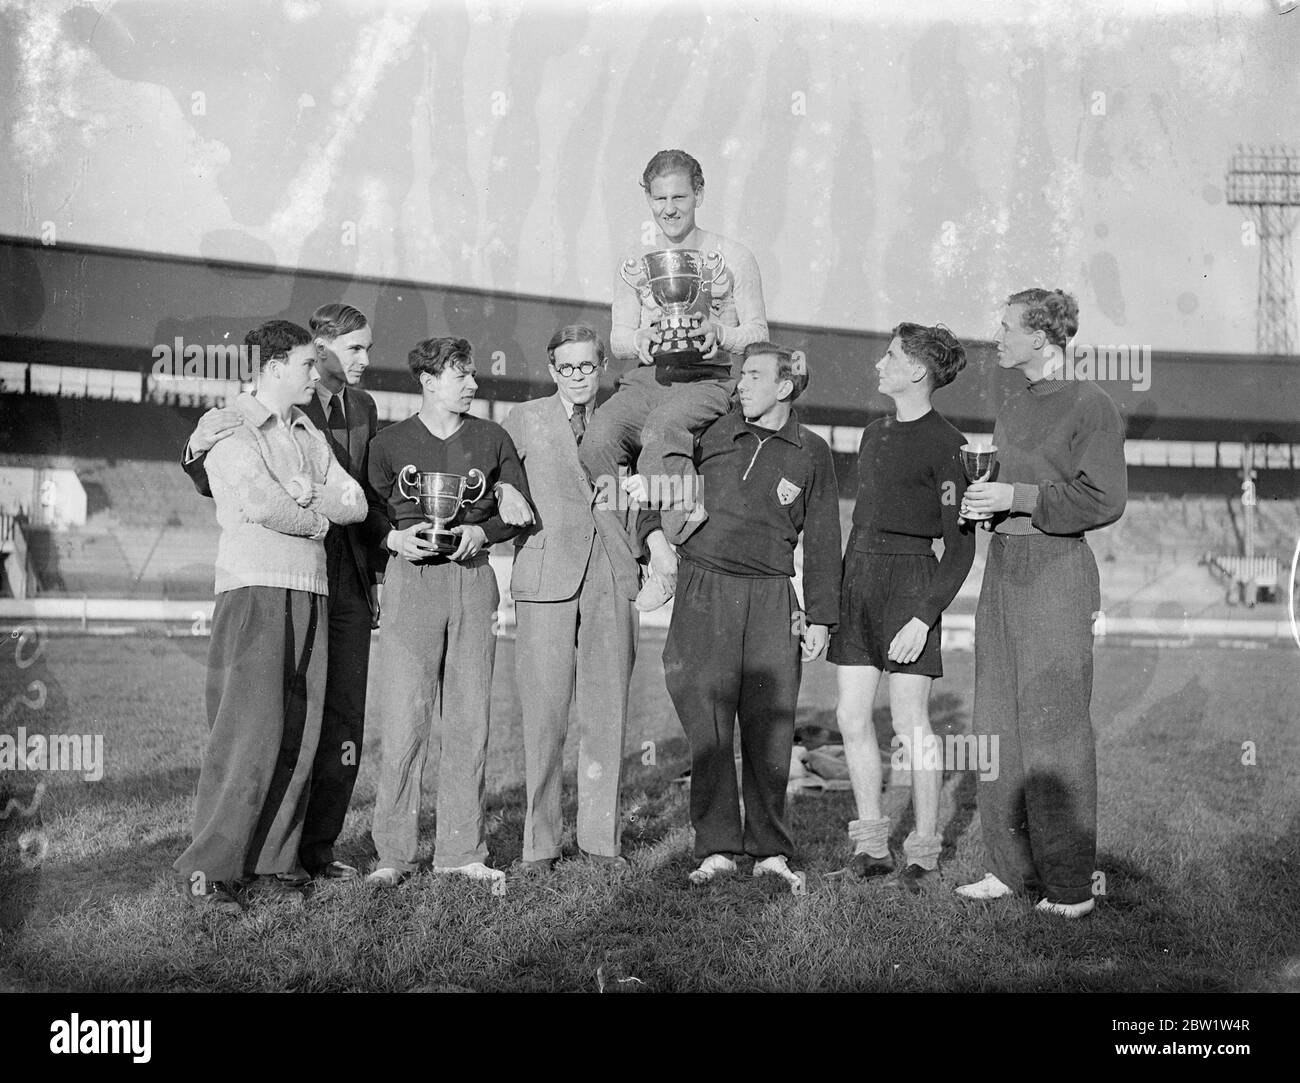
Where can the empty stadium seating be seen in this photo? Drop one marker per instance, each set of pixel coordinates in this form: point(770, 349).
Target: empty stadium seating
point(148, 534)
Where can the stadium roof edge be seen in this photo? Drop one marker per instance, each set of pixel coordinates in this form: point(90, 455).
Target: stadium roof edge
point(1193, 357)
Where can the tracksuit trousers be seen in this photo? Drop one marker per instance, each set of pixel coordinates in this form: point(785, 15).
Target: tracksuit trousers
point(1033, 686)
point(733, 651)
point(433, 681)
point(265, 692)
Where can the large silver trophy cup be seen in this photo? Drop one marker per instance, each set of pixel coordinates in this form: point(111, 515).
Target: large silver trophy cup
point(440, 496)
point(672, 280)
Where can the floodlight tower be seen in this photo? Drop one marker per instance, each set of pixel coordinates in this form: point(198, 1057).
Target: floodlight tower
point(1267, 183)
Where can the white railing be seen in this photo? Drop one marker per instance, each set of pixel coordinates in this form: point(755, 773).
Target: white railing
point(1262, 571)
point(125, 386)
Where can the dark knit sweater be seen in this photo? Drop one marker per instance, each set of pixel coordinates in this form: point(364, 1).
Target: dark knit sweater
point(1061, 444)
point(479, 444)
point(910, 485)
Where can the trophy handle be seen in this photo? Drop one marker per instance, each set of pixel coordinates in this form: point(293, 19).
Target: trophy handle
point(402, 482)
point(641, 284)
point(709, 264)
point(470, 480)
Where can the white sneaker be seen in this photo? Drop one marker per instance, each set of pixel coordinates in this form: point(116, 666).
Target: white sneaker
point(988, 888)
point(387, 877)
point(476, 870)
point(710, 867)
point(777, 865)
point(1067, 910)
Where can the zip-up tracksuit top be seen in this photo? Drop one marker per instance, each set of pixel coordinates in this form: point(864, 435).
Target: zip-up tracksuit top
point(760, 492)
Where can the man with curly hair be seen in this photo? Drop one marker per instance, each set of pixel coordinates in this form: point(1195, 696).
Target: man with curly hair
point(1061, 473)
point(434, 660)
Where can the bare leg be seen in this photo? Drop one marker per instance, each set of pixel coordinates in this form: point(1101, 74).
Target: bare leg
point(857, 694)
point(870, 831)
point(909, 703)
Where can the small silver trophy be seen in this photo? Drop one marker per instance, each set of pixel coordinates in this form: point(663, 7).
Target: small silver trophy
point(977, 460)
point(440, 496)
point(672, 279)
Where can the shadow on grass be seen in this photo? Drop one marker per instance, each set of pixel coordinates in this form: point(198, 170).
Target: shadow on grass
point(1224, 917)
point(643, 794)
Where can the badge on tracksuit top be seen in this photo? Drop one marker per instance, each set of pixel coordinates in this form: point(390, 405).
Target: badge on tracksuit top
point(786, 492)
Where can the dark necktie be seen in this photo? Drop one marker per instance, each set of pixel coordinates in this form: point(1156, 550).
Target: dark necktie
point(578, 420)
point(338, 427)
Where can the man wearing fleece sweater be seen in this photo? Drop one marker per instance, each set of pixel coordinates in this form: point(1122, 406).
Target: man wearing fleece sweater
point(1061, 473)
point(277, 488)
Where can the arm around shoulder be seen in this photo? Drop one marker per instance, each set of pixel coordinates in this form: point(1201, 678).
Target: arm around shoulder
point(196, 471)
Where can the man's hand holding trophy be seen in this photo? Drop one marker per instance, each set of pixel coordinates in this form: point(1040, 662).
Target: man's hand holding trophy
point(983, 497)
point(672, 281)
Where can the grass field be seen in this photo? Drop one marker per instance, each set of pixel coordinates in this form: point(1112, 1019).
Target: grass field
point(1200, 853)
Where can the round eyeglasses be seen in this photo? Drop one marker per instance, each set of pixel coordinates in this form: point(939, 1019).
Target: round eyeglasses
point(566, 370)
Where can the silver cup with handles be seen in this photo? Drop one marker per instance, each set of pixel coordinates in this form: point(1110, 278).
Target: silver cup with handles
point(440, 496)
point(672, 279)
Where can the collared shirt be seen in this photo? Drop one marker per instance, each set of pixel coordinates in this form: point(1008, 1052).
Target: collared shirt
point(324, 397)
point(761, 493)
point(590, 407)
point(264, 418)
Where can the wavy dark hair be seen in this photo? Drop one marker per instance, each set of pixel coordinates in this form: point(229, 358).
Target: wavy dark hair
point(434, 355)
point(936, 348)
point(274, 339)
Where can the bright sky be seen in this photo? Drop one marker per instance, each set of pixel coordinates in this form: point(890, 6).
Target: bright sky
point(884, 161)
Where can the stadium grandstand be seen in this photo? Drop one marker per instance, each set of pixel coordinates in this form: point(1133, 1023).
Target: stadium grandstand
point(93, 503)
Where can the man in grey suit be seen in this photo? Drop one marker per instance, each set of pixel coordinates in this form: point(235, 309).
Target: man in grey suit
point(574, 582)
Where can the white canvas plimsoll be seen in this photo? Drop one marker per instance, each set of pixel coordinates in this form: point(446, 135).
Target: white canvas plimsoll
point(1067, 910)
point(475, 870)
point(778, 865)
point(988, 888)
point(710, 867)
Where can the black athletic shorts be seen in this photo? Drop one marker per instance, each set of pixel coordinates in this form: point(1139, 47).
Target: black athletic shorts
point(880, 593)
